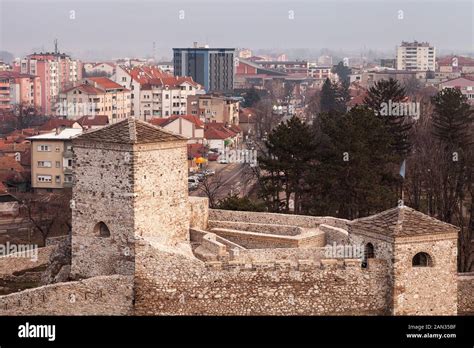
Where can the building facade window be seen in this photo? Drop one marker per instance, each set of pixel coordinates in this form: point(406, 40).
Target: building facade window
point(44, 148)
point(44, 164)
point(44, 178)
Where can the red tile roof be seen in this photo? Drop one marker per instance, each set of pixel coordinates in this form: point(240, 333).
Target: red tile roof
point(149, 76)
point(217, 130)
point(462, 61)
point(214, 133)
point(14, 74)
point(90, 121)
point(85, 88)
point(9, 163)
point(161, 122)
point(105, 83)
point(54, 123)
point(165, 121)
point(196, 150)
point(143, 74)
point(171, 82)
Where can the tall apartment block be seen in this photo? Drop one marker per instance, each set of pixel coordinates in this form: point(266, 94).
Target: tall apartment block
point(416, 56)
point(17, 88)
point(213, 68)
point(57, 72)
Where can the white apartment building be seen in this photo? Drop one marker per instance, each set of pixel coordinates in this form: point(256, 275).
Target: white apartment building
point(416, 56)
point(155, 93)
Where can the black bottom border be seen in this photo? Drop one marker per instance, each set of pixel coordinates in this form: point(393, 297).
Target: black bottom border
point(205, 331)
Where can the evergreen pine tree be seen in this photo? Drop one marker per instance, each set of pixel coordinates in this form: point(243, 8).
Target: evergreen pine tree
point(387, 92)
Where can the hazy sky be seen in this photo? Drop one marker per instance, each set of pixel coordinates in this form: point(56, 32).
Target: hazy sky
point(107, 29)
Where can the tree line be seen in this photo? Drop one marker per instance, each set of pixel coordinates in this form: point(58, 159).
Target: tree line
point(346, 163)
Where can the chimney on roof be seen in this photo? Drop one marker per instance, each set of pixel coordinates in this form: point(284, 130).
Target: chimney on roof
point(195, 44)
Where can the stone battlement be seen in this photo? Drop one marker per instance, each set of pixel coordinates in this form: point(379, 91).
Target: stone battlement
point(287, 265)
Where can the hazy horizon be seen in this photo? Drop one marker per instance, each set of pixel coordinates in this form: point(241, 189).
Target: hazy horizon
point(108, 29)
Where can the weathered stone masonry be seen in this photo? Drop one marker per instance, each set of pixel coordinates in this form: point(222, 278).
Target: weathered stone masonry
point(137, 237)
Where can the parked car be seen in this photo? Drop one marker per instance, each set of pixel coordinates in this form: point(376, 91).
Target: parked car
point(192, 186)
point(223, 160)
point(200, 176)
point(208, 172)
point(193, 179)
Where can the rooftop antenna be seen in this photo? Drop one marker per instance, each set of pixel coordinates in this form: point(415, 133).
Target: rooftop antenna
point(55, 46)
point(154, 51)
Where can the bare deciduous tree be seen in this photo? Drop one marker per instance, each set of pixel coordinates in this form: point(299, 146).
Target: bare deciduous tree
point(49, 213)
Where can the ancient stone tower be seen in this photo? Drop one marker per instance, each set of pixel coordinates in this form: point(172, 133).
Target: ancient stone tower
point(130, 182)
point(422, 253)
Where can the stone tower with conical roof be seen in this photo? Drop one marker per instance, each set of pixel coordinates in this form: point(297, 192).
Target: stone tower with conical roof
point(422, 253)
point(130, 182)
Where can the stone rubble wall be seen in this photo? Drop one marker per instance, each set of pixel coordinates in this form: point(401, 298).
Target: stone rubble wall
point(104, 295)
point(335, 234)
point(179, 285)
point(466, 293)
point(293, 254)
point(160, 184)
point(281, 230)
point(276, 219)
point(18, 230)
point(210, 243)
point(250, 240)
point(20, 262)
point(199, 208)
point(103, 192)
point(425, 290)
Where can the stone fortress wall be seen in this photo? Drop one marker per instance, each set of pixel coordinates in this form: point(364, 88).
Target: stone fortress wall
point(178, 285)
point(141, 246)
point(102, 295)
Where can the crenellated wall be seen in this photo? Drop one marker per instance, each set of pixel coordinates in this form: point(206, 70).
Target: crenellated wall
point(178, 285)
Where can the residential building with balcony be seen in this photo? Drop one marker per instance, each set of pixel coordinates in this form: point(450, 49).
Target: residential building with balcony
point(187, 126)
point(56, 71)
point(18, 88)
point(416, 56)
point(213, 108)
point(96, 96)
point(155, 93)
point(51, 160)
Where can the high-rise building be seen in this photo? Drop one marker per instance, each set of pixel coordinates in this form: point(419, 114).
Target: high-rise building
point(57, 72)
point(18, 88)
point(213, 68)
point(419, 56)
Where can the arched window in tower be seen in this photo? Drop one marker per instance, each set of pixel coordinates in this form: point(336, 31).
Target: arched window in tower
point(368, 254)
point(369, 251)
point(101, 230)
point(422, 260)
